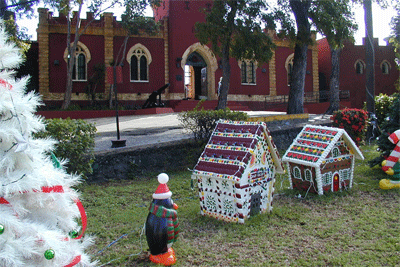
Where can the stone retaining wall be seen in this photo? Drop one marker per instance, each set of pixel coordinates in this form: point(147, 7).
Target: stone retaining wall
point(166, 158)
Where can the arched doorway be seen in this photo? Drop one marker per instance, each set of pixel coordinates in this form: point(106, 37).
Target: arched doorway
point(199, 65)
point(196, 77)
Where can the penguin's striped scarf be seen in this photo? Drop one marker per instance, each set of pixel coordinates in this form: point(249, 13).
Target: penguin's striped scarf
point(172, 220)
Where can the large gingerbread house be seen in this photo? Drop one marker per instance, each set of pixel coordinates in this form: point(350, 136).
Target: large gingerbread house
point(321, 159)
point(236, 171)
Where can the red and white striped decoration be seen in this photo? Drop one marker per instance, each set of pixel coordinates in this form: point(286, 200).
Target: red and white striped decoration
point(395, 154)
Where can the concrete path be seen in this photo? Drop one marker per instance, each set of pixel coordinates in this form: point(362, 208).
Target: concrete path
point(143, 131)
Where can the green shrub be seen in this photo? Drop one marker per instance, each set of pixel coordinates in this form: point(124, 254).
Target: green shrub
point(354, 121)
point(202, 122)
point(390, 124)
point(75, 143)
point(382, 106)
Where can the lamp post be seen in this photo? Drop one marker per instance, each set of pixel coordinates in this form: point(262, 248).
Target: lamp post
point(119, 142)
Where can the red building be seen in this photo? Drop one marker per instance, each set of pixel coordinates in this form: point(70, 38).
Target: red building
point(172, 56)
point(352, 69)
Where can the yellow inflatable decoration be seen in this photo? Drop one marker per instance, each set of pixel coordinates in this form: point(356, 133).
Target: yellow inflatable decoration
point(388, 184)
point(394, 182)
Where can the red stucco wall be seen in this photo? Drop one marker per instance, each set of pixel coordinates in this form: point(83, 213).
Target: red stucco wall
point(57, 46)
point(182, 18)
point(355, 83)
point(156, 67)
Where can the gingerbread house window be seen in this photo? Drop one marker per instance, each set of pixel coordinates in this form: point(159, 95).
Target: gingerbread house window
point(327, 178)
point(308, 175)
point(335, 152)
point(296, 172)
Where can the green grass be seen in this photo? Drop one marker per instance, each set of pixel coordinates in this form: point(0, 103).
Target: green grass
point(358, 227)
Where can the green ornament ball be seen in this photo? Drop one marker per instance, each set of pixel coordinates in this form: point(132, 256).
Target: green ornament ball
point(73, 234)
point(49, 254)
point(1, 229)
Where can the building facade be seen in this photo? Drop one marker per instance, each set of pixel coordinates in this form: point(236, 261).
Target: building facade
point(173, 55)
point(352, 69)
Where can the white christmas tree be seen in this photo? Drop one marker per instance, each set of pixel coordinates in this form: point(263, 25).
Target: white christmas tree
point(41, 218)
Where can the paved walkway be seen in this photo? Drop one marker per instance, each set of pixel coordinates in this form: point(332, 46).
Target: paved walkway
point(143, 131)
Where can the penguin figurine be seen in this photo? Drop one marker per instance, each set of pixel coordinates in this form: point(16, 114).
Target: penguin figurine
point(162, 226)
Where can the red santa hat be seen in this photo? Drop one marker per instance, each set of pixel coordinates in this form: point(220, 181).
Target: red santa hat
point(162, 191)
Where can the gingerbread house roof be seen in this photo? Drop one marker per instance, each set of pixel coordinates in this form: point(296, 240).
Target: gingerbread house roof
point(313, 144)
point(229, 149)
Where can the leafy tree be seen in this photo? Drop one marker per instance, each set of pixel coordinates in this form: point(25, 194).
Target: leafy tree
point(74, 19)
point(388, 126)
point(233, 28)
point(335, 21)
point(11, 9)
point(395, 38)
point(134, 10)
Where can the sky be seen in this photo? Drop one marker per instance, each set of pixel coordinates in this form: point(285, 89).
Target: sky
point(380, 17)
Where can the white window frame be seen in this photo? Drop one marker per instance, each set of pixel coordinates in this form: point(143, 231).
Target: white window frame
point(81, 49)
point(335, 152)
point(308, 175)
point(250, 72)
point(297, 173)
point(139, 50)
point(325, 177)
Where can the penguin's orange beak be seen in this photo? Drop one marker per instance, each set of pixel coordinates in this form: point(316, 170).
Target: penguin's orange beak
point(175, 206)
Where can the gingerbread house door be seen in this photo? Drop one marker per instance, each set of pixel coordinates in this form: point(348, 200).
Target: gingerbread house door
point(336, 183)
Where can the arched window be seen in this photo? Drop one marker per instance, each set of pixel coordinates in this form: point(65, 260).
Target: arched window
point(134, 68)
point(359, 66)
point(82, 57)
point(385, 67)
point(139, 59)
point(289, 68)
point(335, 152)
point(243, 70)
point(296, 172)
point(248, 71)
point(308, 175)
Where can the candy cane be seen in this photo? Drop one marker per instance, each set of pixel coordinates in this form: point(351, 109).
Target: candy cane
point(395, 154)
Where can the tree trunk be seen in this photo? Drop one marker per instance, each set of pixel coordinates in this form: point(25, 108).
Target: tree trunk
point(226, 76)
point(370, 60)
point(334, 83)
point(370, 57)
point(296, 93)
point(225, 54)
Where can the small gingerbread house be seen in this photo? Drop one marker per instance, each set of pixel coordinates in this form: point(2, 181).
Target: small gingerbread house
point(321, 159)
point(236, 171)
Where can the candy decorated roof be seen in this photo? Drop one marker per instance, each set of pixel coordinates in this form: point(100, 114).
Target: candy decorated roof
point(313, 144)
point(230, 148)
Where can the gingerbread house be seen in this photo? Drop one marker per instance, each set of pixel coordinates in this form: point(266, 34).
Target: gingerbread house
point(236, 171)
point(321, 159)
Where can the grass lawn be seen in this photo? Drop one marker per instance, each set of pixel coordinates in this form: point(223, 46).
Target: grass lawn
point(358, 227)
